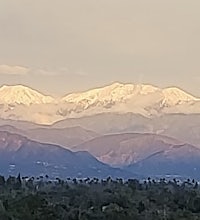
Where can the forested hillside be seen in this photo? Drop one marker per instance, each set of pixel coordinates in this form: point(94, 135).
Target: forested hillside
point(94, 199)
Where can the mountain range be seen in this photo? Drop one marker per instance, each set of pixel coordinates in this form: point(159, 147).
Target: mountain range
point(19, 154)
point(22, 103)
point(146, 154)
point(126, 148)
point(122, 130)
point(126, 155)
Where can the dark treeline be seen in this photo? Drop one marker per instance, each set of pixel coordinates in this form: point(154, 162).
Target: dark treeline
point(93, 199)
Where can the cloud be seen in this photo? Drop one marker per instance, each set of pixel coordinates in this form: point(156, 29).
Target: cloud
point(50, 72)
point(13, 70)
point(21, 70)
point(60, 72)
point(43, 72)
point(24, 71)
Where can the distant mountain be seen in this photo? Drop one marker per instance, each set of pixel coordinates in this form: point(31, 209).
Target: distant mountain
point(22, 103)
point(180, 160)
point(65, 137)
point(146, 154)
point(121, 93)
point(131, 126)
point(184, 127)
point(128, 148)
point(20, 124)
point(19, 154)
point(141, 99)
point(109, 95)
point(19, 94)
point(138, 155)
point(106, 123)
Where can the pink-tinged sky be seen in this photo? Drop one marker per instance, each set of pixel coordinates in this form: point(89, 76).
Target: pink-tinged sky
point(59, 46)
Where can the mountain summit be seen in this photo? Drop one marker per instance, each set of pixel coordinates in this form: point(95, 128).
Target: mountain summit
point(175, 96)
point(21, 102)
point(116, 92)
point(119, 92)
point(138, 98)
point(20, 94)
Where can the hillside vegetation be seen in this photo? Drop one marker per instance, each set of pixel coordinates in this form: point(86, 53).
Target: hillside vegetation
point(94, 199)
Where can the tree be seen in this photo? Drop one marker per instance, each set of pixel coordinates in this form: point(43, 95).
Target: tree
point(2, 181)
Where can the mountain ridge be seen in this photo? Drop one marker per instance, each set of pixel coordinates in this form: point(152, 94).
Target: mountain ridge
point(126, 148)
point(121, 92)
point(110, 90)
point(20, 94)
point(23, 103)
point(19, 154)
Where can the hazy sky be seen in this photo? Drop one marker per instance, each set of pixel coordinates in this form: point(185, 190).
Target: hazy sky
point(59, 46)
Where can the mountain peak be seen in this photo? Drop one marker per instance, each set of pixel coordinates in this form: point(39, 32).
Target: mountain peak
point(174, 96)
point(20, 94)
point(115, 92)
point(145, 99)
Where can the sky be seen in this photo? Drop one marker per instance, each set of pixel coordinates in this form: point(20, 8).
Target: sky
point(62, 46)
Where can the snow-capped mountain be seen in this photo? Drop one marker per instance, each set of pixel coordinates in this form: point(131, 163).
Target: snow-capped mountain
point(110, 94)
point(174, 96)
point(119, 92)
point(155, 128)
point(141, 99)
point(19, 94)
point(22, 103)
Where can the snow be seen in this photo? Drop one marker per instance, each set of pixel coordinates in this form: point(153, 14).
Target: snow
point(112, 94)
point(174, 96)
point(123, 93)
point(22, 103)
point(19, 94)
point(116, 92)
